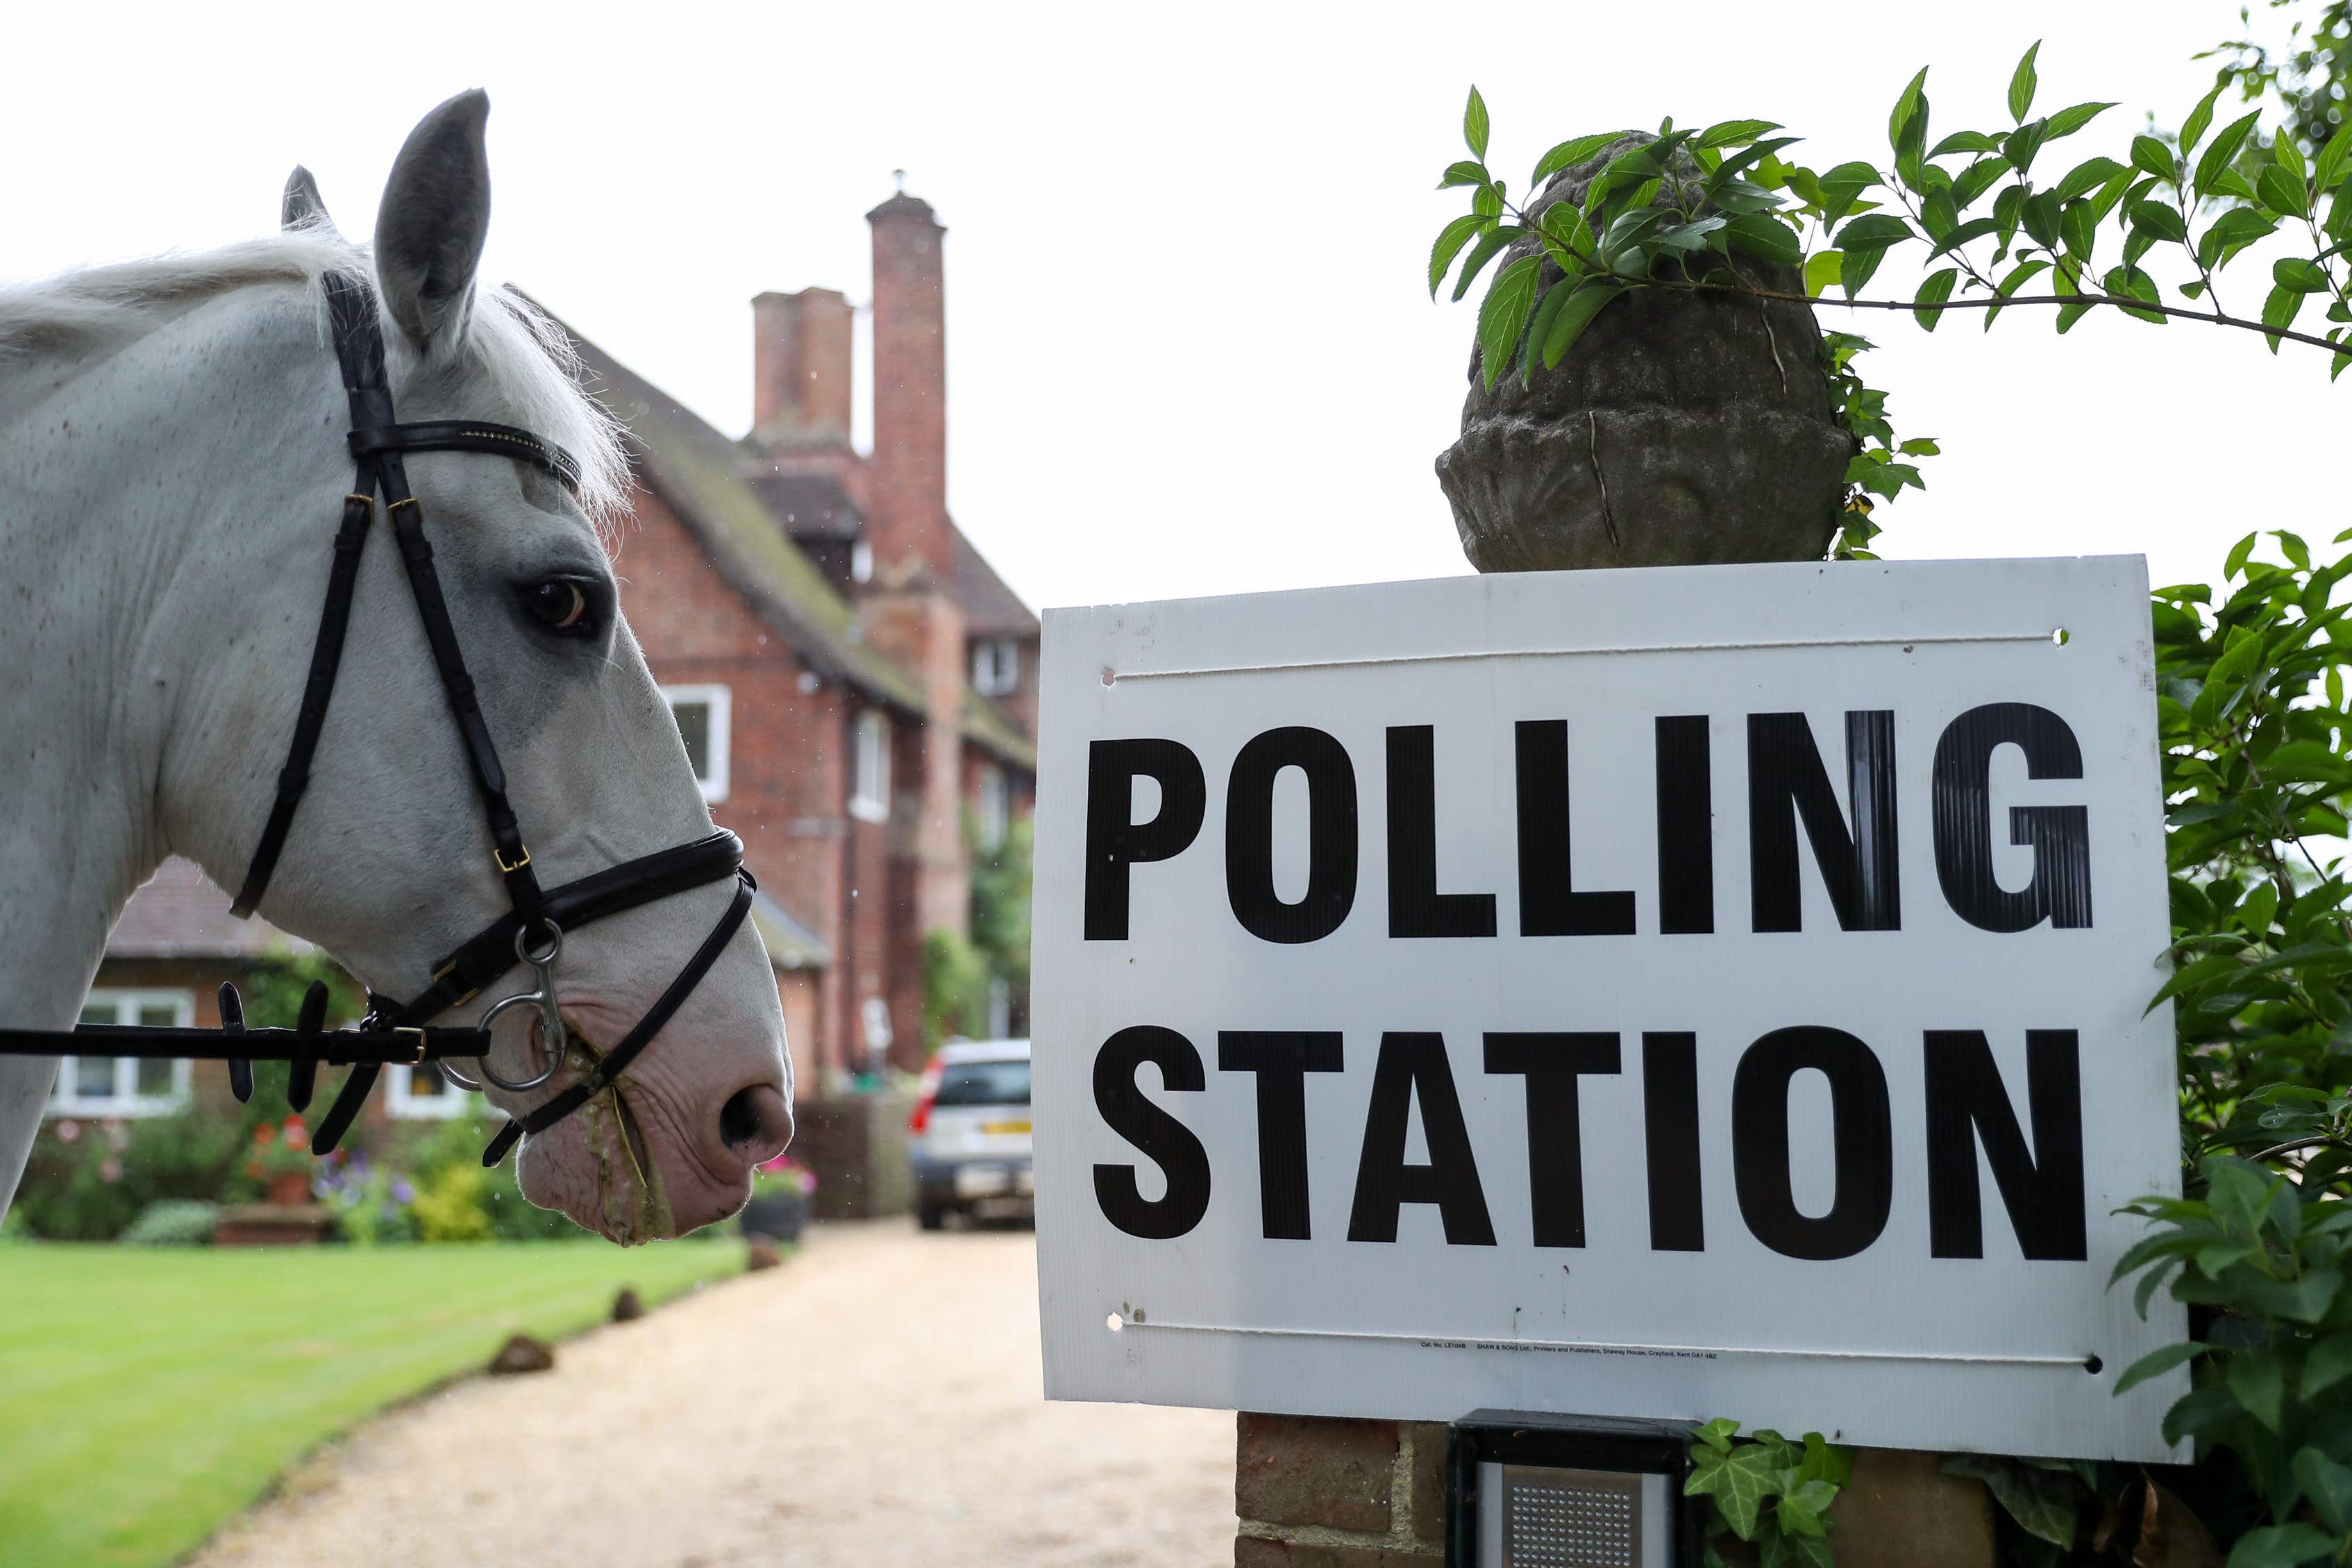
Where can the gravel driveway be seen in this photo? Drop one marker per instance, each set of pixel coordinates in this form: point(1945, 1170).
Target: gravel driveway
point(873, 1401)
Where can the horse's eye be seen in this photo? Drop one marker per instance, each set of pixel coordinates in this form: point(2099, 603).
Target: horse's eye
point(560, 605)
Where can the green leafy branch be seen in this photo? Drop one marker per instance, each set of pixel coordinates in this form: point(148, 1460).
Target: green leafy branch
point(1681, 212)
point(1769, 1492)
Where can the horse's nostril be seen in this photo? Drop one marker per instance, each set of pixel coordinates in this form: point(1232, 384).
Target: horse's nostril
point(755, 1122)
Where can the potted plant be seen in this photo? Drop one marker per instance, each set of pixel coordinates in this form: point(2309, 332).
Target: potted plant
point(780, 1199)
point(280, 1160)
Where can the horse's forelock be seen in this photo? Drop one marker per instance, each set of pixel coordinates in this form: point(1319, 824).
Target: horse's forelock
point(526, 357)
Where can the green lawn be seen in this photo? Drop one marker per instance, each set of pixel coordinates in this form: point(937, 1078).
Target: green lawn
point(147, 1394)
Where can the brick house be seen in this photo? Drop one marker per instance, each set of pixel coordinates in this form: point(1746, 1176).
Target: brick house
point(855, 686)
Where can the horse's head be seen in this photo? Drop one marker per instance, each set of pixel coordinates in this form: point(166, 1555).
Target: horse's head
point(389, 864)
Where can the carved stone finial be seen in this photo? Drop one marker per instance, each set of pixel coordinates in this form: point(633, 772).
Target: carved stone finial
point(1680, 430)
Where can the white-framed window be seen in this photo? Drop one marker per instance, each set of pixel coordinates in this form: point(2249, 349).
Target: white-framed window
point(420, 1091)
point(996, 666)
point(126, 1085)
point(703, 714)
point(869, 793)
point(861, 563)
point(993, 810)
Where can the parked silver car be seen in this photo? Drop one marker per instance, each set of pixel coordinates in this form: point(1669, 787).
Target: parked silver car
point(971, 1146)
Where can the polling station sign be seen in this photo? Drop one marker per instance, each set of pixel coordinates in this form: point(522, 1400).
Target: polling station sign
point(1671, 993)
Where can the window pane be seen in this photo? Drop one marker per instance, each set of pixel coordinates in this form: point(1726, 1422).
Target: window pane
point(155, 1074)
point(93, 1077)
point(694, 728)
point(984, 1083)
point(98, 1012)
point(425, 1082)
point(159, 1015)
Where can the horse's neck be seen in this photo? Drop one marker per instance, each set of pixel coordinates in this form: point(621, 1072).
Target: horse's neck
point(141, 517)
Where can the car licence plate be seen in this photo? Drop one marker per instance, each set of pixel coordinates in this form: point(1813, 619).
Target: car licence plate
point(1004, 1129)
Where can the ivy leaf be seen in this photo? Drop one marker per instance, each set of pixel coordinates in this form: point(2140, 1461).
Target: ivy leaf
point(2328, 1365)
point(1739, 1483)
point(1490, 245)
point(1473, 125)
point(1575, 315)
point(1450, 241)
point(1821, 271)
point(1569, 153)
point(1504, 316)
point(1799, 1511)
point(2022, 83)
point(2042, 1501)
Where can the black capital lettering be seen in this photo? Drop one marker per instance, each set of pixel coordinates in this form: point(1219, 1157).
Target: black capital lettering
point(1281, 1060)
point(1685, 826)
point(1412, 1066)
point(1786, 781)
point(1552, 1063)
point(1549, 904)
point(1159, 1136)
point(1330, 835)
point(1863, 1143)
point(1415, 907)
point(2060, 835)
point(2041, 1187)
point(1670, 1120)
point(1114, 841)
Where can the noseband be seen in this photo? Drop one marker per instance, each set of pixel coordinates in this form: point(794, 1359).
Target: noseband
point(530, 934)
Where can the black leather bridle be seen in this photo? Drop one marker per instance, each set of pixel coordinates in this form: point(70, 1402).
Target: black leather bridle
point(531, 931)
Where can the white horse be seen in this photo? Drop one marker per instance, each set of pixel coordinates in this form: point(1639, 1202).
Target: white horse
point(172, 471)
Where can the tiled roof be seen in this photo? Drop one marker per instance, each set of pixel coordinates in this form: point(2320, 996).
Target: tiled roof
point(791, 944)
point(700, 473)
point(811, 506)
point(179, 913)
point(991, 608)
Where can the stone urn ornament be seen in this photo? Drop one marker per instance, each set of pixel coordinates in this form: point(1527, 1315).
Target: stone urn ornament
point(1680, 429)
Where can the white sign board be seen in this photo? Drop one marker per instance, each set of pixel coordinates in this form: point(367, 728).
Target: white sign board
point(1673, 993)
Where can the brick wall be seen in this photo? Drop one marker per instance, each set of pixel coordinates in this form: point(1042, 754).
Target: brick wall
point(1320, 1492)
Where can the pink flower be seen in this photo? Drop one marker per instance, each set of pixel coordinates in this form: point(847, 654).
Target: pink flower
point(109, 1169)
point(69, 1130)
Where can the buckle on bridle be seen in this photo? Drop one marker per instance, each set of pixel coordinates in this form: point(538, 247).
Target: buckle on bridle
point(499, 855)
point(417, 1050)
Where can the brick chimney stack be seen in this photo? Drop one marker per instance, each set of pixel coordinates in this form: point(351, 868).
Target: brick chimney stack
point(908, 506)
point(800, 370)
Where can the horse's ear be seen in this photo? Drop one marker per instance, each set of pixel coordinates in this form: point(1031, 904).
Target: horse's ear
point(435, 215)
point(302, 207)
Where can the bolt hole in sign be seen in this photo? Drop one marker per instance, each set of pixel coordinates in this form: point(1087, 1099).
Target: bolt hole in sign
point(1669, 993)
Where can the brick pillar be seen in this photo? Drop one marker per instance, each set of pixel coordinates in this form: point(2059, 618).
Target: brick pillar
point(907, 474)
point(1317, 1492)
point(800, 370)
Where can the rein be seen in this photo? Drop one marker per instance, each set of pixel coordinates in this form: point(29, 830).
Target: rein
point(530, 934)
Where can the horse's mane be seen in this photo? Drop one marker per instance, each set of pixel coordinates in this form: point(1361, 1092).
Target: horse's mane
point(526, 356)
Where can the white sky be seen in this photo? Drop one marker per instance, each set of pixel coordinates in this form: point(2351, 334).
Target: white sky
point(1189, 346)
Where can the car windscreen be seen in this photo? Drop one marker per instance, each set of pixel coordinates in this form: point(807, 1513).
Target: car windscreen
point(984, 1083)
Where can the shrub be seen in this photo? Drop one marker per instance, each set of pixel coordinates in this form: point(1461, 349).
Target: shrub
point(449, 1208)
point(172, 1222)
point(87, 1179)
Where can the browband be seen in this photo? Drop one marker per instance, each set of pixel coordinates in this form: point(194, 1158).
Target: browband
point(466, 435)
